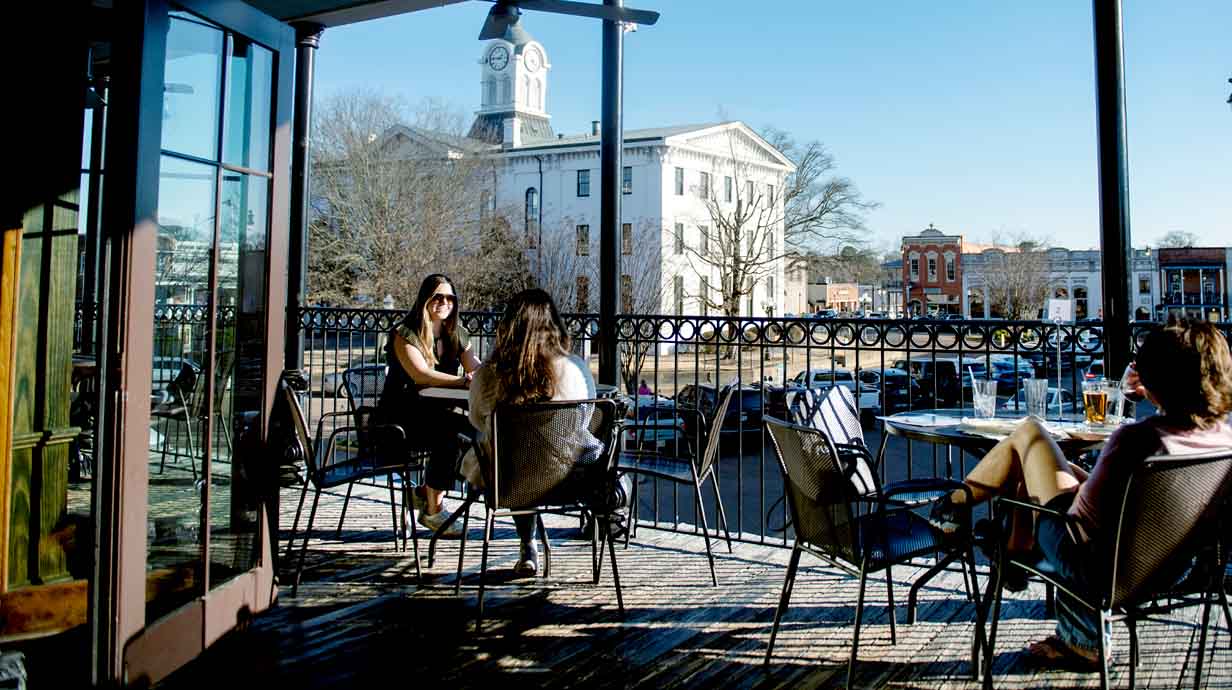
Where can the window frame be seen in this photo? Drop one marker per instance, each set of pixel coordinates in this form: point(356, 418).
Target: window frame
point(626, 180)
point(679, 181)
point(583, 182)
point(626, 239)
point(582, 234)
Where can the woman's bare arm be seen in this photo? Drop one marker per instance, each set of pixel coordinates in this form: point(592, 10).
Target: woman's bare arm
point(469, 361)
point(416, 366)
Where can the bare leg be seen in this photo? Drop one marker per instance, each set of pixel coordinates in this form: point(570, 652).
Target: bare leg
point(1028, 457)
point(434, 500)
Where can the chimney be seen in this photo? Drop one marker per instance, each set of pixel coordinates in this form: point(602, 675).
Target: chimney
point(594, 128)
point(511, 137)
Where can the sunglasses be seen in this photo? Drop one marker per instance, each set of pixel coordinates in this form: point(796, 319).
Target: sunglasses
point(442, 297)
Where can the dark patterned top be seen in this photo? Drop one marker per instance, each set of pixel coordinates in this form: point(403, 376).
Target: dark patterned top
point(401, 393)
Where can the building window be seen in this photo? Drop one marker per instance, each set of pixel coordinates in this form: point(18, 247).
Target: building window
point(626, 239)
point(770, 193)
point(932, 269)
point(950, 270)
point(583, 240)
point(1080, 303)
point(727, 188)
point(703, 298)
point(748, 192)
point(703, 186)
point(704, 244)
point(679, 238)
point(532, 215)
point(770, 290)
point(915, 267)
point(626, 180)
point(678, 291)
point(1144, 283)
point(770, 246)
point(485, 201)
point(583, 183)
point(583, 294)
point(679, 181)
point(626, 294)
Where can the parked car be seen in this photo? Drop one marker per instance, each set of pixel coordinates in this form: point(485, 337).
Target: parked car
point(1010, 373)
point(825, 314)
point(744, 413)
point(1095, 370)
point(1070, 403)
point(167, 368)
point(868, 397)
point(945, 379)
point(900, 392)
point(660, 426)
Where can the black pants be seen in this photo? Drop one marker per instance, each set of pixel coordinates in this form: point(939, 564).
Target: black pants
point(437, 430)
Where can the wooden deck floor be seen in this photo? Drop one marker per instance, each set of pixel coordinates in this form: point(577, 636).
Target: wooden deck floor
point(361, 616)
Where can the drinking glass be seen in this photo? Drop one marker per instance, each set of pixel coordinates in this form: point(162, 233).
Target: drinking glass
point(984, 397)
point(1095, 401)
point(1116, 402)
point(1037, 397)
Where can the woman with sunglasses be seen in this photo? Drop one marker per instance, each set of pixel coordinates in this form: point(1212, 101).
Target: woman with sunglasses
point(429, 348)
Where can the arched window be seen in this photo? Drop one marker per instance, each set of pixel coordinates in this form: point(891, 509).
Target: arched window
point(532, 215)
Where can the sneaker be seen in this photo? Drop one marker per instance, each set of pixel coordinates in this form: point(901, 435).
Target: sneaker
point(528, 561)
point(945, 517)
point(433, 523)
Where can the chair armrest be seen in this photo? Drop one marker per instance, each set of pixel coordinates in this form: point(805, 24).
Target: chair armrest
point(1015, 504)
point(331, 444)
point(327, 415)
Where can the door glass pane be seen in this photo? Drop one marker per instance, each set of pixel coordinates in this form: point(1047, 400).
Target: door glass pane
point(246, 127)
point(192, 88)
point(178, 400)
point(239, 376)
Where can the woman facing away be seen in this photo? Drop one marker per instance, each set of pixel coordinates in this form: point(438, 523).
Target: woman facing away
point(530, 363)
point(429, 348)
point(1185, 370)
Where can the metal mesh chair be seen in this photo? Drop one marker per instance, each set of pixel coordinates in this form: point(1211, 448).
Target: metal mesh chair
point(547, 457)
point(1173, 507)
point(692, 469)
point(827, 526)
point(329, 465)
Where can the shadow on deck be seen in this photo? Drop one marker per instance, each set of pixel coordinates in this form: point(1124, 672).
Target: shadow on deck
point(361, 616)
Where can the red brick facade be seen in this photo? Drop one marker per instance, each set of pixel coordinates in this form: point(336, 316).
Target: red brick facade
point(932, 272)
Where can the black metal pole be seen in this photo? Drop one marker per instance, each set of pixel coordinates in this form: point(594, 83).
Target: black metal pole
point(307, 40)
point(1113, 182)
point(611, 146)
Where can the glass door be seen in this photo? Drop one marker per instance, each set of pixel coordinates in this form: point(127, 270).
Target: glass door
point(215, 333)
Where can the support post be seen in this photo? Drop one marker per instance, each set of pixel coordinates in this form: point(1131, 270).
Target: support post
point(1113, 182)
point(611, 145)
point(307, 40)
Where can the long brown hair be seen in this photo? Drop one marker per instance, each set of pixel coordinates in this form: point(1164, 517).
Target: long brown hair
point(421, 324)
point(530, 336)
point(1187, 368)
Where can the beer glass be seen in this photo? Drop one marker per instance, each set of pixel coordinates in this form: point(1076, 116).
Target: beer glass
point(1095, 401)
point(1037, 397)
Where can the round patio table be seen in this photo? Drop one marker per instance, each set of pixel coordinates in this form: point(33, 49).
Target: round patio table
point(958, 428)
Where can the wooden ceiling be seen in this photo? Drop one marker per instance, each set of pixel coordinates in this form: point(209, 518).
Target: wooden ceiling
point(339, 12)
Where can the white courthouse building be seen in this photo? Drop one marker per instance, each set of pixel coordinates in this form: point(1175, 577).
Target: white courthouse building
point(553, 181)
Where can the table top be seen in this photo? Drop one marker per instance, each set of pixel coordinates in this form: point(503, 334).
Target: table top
point(959, 427)
point(445, 393)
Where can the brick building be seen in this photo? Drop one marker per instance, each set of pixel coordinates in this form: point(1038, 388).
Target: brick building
point(932, 272)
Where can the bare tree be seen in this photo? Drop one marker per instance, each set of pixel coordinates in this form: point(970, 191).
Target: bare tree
point(394, 202)
point(743, 240)
point(1016, 275)
point(1177, 239)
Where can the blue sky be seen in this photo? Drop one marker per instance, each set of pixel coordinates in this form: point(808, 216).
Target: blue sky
point(975, 116)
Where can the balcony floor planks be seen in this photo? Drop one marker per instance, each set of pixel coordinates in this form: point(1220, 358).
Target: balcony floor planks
point(360, 616)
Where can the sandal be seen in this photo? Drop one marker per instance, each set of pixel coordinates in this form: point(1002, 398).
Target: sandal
point(1053, 652)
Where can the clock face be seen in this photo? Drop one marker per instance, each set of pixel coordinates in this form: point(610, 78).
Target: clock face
point(498, 58)
point(533, 60)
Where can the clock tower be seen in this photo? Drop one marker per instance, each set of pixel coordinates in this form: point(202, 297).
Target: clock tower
point(513, 79)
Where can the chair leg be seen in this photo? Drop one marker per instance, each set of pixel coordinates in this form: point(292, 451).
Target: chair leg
point(611, 547)
point(596, 552)
point(890, 597)
point(547, 546)
point(1050, 600)
point(992, 630)
point(785, 598)
point(345, 502)
point(914, 592)
point(1104, 670)
point(393, 509)
point(466, 518)
point(162, 462)
point(1206, 619)
point(192, 449)
point(701, 511)
point(483, 567)
point(1227, 613)
point(855, 633)
point(718, 501)
point(295, 524)
point(633, 503)
point(303, 551)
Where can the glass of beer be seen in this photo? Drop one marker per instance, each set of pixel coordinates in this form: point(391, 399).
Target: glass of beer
point(1095, 401)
